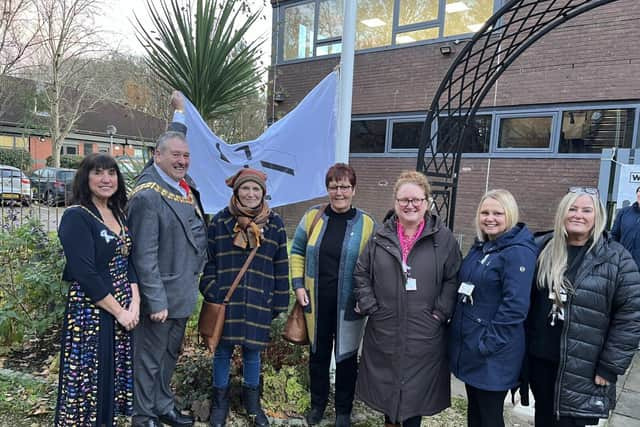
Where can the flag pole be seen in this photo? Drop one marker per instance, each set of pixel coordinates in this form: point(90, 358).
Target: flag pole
point(343, 131)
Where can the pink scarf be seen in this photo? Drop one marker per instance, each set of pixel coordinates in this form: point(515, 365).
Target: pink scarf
point(406, 242)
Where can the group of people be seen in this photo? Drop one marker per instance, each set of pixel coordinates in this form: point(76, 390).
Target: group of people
point(395, 304)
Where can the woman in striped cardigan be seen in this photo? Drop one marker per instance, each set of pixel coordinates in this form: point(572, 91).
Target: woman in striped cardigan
point(263, 292)
point(325, 248)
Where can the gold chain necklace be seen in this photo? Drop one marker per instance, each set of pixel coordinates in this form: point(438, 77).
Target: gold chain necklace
point(121, 236)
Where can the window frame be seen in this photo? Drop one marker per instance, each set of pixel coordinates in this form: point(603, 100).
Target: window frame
point(396, 29)
point(495, 132)
point(390, 124)
point(499, 113)
point(386, 135)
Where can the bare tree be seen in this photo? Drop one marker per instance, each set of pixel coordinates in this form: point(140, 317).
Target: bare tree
point(18, 38)
point(70, 86)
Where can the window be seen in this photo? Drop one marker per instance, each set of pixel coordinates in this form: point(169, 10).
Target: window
point(374, 23)
point(417, 11)
point(466, 16)
point(525, 132)
point(406, 135)
point(70, 150)
point(477, 136)
point(368, 136)
point(329, 27)
point(589, 131)
point(298, 31)
point(12, 141)
point(88, 148)
point(314, 27)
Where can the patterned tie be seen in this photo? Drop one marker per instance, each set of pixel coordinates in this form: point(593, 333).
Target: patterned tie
point(183, 184)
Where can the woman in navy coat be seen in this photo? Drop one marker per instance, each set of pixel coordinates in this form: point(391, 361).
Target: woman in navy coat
point(486, 338)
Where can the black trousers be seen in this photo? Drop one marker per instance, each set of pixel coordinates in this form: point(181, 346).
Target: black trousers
point(320, 361)
point(485, 408)
point(542, 380)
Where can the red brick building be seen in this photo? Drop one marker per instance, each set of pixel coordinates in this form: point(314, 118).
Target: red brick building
point(22, 127)
point(541, 128)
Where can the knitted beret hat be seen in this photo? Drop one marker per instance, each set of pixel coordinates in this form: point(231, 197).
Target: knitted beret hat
point(247, 174)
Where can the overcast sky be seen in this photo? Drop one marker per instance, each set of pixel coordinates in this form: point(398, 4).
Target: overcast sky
point(120, 14)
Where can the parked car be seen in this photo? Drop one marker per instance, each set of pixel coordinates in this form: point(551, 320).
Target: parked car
point(14, 185)
point(53, 186)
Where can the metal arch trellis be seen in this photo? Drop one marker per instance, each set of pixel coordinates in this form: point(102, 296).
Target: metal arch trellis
point(503, 38)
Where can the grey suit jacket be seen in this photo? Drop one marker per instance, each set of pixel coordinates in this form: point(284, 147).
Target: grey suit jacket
point(170, 246)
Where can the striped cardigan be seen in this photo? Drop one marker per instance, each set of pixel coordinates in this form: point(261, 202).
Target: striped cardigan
point(264, 289)
point(305, 253)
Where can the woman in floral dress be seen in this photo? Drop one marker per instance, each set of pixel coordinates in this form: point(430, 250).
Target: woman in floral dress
point(96, 375)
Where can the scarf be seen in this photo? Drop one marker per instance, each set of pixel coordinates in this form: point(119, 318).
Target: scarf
point(406, 242)
point(247, 233)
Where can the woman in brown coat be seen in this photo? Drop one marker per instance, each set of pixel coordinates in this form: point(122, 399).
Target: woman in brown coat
point(406, 284)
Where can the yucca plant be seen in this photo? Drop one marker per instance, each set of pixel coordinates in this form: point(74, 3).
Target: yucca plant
point(202, 52)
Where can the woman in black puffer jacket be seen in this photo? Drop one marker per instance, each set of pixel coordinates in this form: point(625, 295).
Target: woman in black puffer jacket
point(584, 323)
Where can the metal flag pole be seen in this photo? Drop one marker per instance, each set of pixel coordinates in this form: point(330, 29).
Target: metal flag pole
point(343, 130)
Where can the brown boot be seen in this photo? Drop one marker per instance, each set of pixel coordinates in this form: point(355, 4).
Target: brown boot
point(391, 425)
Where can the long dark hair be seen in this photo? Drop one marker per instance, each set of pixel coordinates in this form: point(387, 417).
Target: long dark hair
point(81, 191)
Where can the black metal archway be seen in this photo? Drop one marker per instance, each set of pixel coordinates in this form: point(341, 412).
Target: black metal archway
point(503, 38)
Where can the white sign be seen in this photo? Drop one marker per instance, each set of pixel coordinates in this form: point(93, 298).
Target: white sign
point(295, 152)
point(629, 182)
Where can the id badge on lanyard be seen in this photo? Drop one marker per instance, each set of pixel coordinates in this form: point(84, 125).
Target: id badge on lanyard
point(410, 283)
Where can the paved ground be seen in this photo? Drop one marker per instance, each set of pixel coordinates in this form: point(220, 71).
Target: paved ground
point(16, 215)
point(626, 414)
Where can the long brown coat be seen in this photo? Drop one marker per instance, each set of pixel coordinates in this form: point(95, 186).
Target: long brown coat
point(404, 369)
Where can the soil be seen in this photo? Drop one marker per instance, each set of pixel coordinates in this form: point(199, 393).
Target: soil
point(36, 354)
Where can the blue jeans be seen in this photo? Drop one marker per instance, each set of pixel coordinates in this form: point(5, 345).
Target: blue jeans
point(222, 366)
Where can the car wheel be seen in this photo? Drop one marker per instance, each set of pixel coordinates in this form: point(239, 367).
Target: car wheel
point(50, 198)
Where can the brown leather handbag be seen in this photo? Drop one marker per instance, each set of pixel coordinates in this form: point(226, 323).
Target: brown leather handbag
point(295, 330)
point(211, 321)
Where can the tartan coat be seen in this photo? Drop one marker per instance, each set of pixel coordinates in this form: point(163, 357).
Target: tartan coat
point(263, 292)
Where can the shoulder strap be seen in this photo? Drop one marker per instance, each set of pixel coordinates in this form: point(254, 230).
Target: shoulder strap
point(243, 270)
point(316, 218)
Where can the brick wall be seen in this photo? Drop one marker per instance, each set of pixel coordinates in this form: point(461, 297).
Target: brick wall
point(595, 57)
point(537, 184)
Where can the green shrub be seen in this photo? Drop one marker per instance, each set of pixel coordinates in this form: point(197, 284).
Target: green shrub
point(286, 392)
point(17, 158)
point(32, 294)
point(66, 161)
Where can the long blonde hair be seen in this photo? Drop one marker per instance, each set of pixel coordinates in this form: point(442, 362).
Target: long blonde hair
point(552, 262)
point(508, 203)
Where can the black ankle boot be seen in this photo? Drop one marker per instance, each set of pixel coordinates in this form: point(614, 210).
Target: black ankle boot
point(251, 401)
point(219, 407)
point(315, 415)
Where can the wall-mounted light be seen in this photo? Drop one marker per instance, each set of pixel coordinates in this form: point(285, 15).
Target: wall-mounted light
point(278, 97)
point(446, 50)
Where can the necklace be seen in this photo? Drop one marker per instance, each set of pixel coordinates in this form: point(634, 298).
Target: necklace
point(121, 236)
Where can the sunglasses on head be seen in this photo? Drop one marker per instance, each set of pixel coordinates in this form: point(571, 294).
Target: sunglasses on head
point(584, 190)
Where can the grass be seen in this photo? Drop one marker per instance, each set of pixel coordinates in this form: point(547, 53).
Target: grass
point(25, 400)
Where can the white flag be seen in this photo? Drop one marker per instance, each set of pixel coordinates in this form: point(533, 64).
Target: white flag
point(295, 152)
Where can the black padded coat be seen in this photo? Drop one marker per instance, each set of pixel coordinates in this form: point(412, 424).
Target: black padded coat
point(601, 330)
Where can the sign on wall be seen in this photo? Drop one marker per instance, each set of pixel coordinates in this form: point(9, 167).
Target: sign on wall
point(629, 182)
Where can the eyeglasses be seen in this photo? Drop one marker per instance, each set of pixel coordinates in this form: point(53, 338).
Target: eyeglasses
point(342, 188)
point(406, 202)
point(584, 190)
